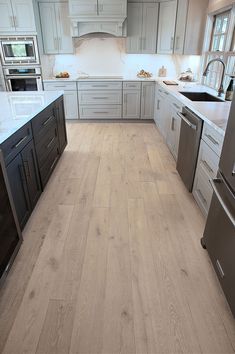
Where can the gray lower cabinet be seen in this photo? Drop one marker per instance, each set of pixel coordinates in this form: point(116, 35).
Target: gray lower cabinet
point(131, 104)
point(142, 27)
point(24, 181)
point(147, 100)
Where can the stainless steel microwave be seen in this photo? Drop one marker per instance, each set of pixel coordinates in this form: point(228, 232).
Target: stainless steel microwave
point(20, 50)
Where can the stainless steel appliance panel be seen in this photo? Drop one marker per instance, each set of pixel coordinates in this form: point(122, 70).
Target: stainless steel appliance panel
point(227, 161)
point(190, 135)
point(219, 237)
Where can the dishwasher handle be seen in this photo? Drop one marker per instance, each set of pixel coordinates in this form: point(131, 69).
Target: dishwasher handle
point(191, 125)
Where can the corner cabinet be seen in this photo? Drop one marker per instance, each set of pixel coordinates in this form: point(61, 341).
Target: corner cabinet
point(166, 27)
point(142, 28)
point(147, 100)
point(55, 27)
point(13, 18)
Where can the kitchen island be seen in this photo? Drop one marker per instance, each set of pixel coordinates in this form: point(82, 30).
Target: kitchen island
point(32, 139)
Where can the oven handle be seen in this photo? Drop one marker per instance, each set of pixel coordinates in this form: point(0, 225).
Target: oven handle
point(23, 77)
point(220, 199)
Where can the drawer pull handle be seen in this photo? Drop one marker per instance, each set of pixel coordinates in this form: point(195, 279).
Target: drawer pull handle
point(101, 112)
point(220, 269)
point(166, 93)
point(20, 142)
point(233, 172)
point(176, 106)
point(48, 120)
point(54, 162)
point(158, 105)
point(207, 166)
point(99, 85)
point(100, 98)
point(51, 142)
point(202, 197)
point(212, 139)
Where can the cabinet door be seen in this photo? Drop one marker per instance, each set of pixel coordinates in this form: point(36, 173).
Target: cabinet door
point(147, 100)
point(65, 42)
point(83, 8)
point(17, 180)
point(112, 8)
point(31, 173)
point(134, 28)
point(60, 117)
point(49, 28)
point(166, 28)
point(131, 104)
point(149, 29)
point(23, 15)
point(180, 28)
point(71, 105)
point(6, 17)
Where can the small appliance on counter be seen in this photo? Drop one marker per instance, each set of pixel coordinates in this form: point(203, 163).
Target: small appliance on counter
point(10, 235)
point(219, 234)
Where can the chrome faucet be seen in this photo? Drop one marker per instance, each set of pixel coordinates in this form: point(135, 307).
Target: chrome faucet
point(221, 88)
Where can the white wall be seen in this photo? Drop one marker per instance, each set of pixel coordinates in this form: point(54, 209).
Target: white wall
point(97, 56)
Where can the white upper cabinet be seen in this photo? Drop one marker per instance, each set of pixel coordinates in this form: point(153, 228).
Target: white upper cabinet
point(98, 8)
point(166, 28)
point(16, 16)
point(55, 28)
point(142, 23)
point(83, 8)
point(112, 8)
point(180, 26)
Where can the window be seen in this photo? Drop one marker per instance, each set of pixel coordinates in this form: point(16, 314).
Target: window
point(222, 45)
point(220, 31)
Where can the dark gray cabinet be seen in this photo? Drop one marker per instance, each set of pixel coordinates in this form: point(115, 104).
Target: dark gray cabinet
point(60, 116)
point(24, 182)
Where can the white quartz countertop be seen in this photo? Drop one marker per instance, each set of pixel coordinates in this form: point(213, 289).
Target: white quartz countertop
point(98, 78)
point(214, 113)
point(18, 108)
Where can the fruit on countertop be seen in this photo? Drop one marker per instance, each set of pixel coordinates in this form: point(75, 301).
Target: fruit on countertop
point(62, 75)
point(144, 74)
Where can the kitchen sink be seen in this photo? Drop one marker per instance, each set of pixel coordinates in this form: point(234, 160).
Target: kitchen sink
point(201, 96)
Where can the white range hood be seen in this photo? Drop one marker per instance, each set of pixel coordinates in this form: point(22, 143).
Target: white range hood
point(98, 17)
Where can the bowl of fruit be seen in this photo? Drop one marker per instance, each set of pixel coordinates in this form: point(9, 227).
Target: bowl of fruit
point(144, 74)
point(62, 75)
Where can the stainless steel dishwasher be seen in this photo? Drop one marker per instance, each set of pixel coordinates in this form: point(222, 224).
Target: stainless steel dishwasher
point(190, 136)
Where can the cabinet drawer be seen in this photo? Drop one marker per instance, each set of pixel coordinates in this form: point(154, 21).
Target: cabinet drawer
point(176, 105)
point(60, 85)
point(208, 160)
point(131, 85)
point(100, 97)
point(42, 122)
point(101, 112)
point(162, 92)
point(202, 191)
point(99, 85)
point(213, 138)
point(48, 167)
point(46, 145)
point(13, 145)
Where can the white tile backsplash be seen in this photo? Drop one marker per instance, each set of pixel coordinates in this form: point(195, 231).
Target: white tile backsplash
point(106, 56)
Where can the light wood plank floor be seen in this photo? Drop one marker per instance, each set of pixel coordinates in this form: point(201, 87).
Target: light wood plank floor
point(111, 260)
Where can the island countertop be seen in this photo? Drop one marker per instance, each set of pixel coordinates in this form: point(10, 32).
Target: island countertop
point(18, 108)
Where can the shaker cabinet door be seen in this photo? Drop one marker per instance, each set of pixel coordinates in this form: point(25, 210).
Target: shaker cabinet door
point(49, 28)
point(31, 173)
point(147, 100)
point(180, 26)
point(23, 15)
point(18, 185)
point(65, 42)
point(83, 8)
point(6, 17)
point(149, 30)
point(112, 8)
point(71, 105)
point(166, 27)
point(134, 28)
point(131, 104)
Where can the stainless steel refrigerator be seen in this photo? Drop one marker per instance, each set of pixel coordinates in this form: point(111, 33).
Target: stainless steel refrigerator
point(219, 234)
